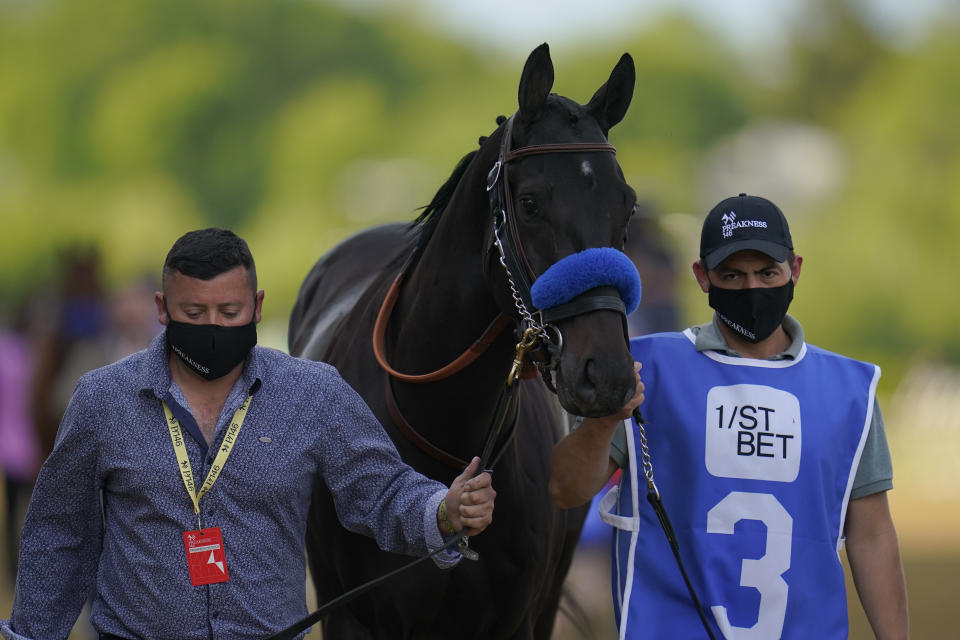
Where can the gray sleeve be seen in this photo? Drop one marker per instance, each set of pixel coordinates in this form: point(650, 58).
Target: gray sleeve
point(618, 446)
point(875, 473)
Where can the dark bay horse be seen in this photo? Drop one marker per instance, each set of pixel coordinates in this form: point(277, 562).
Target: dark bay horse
point(454, 286)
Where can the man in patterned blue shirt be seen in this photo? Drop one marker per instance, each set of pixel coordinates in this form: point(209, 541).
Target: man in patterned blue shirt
point(178, 490)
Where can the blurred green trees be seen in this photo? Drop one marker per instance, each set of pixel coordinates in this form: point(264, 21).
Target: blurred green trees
point(296, 123)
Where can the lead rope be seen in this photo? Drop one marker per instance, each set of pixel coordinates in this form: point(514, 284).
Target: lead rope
point(298, 627)
point(653, 497)
point(528, 340)
point(460, 540)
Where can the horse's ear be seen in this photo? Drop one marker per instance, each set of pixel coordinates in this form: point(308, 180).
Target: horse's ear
point(609, 104)
point(535, 82)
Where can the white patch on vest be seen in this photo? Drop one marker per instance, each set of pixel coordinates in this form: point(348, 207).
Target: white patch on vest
point(753, 432)
point(586, 168)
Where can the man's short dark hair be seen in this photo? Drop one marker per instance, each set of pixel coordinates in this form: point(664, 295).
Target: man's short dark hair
point(206, 253)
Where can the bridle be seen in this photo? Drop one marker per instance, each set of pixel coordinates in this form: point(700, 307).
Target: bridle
point(536, 329)
point(505, 238)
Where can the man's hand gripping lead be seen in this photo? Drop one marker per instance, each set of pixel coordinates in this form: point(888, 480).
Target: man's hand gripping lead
point(469, 502)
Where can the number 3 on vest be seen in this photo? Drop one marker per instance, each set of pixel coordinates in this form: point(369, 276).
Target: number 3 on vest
point(764, 573)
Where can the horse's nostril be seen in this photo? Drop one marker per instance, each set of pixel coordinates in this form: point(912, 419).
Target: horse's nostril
point(601, 388)
point(587, 385)
point(590, 373)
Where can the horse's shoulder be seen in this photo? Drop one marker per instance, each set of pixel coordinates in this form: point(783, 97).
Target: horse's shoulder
point(337, 280)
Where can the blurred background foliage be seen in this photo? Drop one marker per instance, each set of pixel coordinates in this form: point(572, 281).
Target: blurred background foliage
point(296, 123)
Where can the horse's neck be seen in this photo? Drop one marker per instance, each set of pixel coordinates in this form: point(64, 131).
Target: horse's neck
point(444, 306)
point(445, 301)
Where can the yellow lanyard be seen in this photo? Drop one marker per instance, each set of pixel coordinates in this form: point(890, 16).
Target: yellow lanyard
point(229, 439)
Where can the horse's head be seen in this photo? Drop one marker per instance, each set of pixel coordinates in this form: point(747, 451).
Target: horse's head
point(562, 192)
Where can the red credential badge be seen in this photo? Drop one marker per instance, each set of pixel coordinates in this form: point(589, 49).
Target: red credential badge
point(205, 557)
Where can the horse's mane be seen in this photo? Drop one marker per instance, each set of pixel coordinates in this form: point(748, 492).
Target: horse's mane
point(426, 223)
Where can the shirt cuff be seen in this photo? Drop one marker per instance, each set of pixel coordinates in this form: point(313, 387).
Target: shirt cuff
point(884, 484)
point(9, 634)
point(432, 535)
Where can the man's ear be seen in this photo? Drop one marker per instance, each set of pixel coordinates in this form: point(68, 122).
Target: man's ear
point(701, 274)
point(795, 271)
point(161, 308)
point(258, 306)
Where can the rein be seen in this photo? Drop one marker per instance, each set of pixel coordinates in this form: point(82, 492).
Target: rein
point(428, 447)
point(473, 352)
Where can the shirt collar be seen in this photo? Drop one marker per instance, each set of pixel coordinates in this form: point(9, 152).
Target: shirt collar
point(709, 338)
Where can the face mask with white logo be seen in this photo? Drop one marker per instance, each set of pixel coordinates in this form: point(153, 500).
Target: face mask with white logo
point(211, 350)
point(753, 314)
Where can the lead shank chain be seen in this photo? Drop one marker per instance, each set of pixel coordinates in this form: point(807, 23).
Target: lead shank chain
point(646, 462)
point(528, 320)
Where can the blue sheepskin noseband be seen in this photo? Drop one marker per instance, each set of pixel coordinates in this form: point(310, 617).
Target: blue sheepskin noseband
point(579, 272)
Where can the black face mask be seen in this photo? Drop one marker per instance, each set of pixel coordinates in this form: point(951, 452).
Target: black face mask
point(210, 349)
point(753, 314)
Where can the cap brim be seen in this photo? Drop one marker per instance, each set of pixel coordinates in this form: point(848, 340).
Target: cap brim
point(776, 251)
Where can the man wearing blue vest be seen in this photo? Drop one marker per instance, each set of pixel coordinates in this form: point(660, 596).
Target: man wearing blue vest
point(770, 454)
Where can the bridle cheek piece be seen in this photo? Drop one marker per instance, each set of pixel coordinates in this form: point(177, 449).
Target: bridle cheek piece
point(505, 238)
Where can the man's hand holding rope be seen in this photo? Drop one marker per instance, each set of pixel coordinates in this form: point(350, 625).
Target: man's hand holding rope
point(468, 503)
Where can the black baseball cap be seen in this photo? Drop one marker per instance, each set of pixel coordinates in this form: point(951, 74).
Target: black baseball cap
point(744, 222)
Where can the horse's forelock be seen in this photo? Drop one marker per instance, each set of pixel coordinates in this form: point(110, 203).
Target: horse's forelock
point(561, 120)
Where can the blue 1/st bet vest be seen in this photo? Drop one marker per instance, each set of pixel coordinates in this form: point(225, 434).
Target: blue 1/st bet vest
point(754, 460)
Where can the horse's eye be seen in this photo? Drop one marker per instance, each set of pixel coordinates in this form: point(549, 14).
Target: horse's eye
point(528, 205)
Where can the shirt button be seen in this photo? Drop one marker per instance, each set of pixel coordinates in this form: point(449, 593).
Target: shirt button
point(215, 614)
